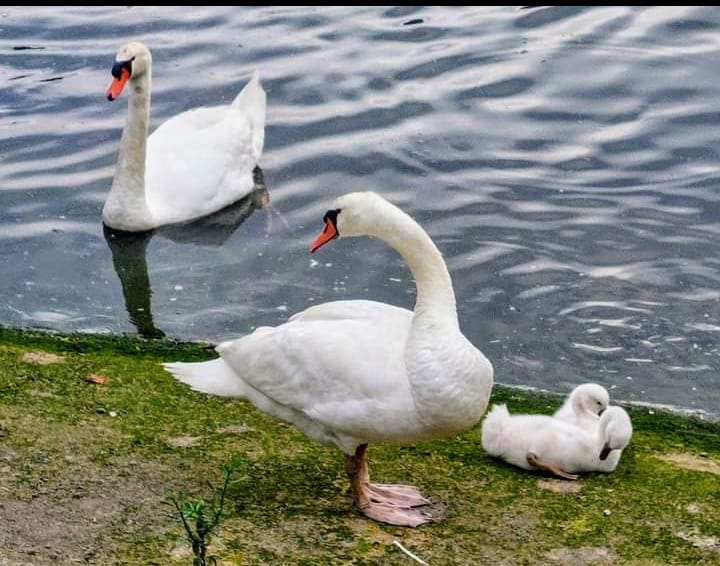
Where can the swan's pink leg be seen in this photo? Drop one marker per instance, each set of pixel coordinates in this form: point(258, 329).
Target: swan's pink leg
point(393, 504)
point(534, 460)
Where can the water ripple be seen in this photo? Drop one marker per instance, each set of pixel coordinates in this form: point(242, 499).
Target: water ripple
point(565, 160)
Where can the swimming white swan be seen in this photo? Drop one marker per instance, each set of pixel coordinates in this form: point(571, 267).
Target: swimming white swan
point(541, 442)
point(348, 373)
point(194, 164)
point(584, 406)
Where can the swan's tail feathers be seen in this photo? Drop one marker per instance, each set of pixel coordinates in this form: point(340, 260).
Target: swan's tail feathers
point(252, 101)
point(492, 429)
point(214, 377)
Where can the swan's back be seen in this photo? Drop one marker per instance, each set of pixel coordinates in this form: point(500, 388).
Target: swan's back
point(375, 312)
point(198, 162)
point(202, 160)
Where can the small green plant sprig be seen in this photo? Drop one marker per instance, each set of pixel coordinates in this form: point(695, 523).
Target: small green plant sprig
point(200, 518)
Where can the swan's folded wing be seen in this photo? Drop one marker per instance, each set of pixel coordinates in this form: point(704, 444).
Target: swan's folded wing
point(198, 162)
point(338, 371)
point(565, 412)
point(372, 311)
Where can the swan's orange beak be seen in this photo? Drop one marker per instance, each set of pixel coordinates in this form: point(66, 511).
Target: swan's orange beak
point(116, 86)
point(329, 233)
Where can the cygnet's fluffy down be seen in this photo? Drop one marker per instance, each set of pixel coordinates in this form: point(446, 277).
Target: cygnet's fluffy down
point(542, 442)
point(584, 406)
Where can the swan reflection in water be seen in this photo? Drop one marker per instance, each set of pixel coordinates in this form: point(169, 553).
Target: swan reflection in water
point(129, 249)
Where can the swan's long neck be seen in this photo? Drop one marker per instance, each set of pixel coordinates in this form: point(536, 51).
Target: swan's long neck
point(435, 303)
point(601, 436)
point(450, 379)
point(577, 406)
point(600, 441)
point(126, 202)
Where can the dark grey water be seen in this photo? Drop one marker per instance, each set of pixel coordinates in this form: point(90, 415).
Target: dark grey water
point(565, 160)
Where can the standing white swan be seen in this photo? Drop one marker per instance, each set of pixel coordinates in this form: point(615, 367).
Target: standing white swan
point(348, 373)
point(584, 406)
point(194, 164)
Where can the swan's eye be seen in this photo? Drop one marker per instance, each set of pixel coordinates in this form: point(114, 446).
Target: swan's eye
point(118, 67)
point(332, 215)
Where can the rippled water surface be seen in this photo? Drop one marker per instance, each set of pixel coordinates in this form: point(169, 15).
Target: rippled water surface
point(565, 160)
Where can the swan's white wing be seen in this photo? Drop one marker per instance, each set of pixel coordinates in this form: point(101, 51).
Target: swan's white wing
point(584, 420)
point(566, 413)
point(198, 162)
point(354, 310)
point(342, 364)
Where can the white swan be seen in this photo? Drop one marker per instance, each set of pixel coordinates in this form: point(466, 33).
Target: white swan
point(542, 442)
point(348, 373)
point(194, 164)
point(584, 406)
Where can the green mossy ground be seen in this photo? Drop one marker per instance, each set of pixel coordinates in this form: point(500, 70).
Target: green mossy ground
point(79, 485)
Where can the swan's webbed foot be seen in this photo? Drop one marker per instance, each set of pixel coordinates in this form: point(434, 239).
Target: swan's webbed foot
point(385, 513)
point(271, 211)
point(393, 504)
point(405, 496)
point(537, 462)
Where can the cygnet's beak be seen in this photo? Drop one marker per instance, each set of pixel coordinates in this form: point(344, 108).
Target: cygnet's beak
point(605, 452)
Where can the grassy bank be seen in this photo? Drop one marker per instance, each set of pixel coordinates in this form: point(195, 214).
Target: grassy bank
point(86, 464)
